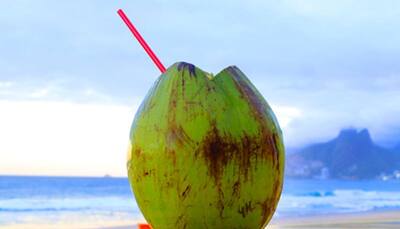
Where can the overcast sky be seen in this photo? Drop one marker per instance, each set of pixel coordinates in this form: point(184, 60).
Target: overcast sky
point(71, 75)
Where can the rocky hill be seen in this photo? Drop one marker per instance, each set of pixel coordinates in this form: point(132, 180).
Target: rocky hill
point(351, 155)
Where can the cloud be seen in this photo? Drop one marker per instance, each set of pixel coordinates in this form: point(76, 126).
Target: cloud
point(40, 93)
point(321, 119)
point(286, 114)
point(5, 84)
point(63, 138)
point(57, 90)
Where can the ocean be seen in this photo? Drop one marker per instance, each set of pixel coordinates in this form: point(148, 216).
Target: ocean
point(102, 201)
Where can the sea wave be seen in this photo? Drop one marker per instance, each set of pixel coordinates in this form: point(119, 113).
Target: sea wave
point(44, 199)
point(317, 193)
point(338, 201)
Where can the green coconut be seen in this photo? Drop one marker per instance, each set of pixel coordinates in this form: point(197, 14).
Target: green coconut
point(205, 152)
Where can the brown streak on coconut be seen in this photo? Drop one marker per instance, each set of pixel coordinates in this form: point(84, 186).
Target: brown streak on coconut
point(186, 192)
point(246, 209)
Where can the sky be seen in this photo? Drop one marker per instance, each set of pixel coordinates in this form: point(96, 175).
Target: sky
point(72, 76)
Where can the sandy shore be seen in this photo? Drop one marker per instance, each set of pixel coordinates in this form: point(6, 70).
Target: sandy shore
point(387, 219)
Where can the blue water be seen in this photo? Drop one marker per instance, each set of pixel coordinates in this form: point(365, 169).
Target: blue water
point(37, 200)
point(316, 197)
point(56, 199)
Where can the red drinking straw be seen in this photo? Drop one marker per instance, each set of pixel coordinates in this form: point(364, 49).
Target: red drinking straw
point(141, 40)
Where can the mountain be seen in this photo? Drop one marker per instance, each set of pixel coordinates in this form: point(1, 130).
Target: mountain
point(351, 155)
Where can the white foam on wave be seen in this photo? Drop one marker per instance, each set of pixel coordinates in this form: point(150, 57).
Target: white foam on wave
point(91, 210)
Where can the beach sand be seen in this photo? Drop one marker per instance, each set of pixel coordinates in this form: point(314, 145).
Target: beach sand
point(387, 219)
point(381, 219)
